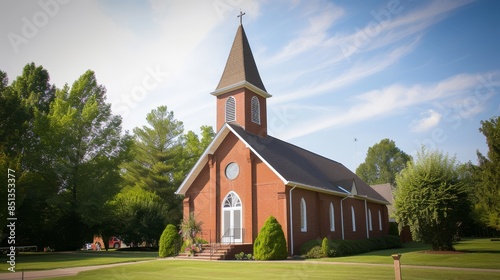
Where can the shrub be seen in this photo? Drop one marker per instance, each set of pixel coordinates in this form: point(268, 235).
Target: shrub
point(393, 229)
point(337, 248)
point(168, 241)
point(243, 256)
point(270, 244)
point(325, 247)
point(308, 245)
point(316, 252)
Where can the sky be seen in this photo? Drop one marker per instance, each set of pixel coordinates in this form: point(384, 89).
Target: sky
point(343, 75)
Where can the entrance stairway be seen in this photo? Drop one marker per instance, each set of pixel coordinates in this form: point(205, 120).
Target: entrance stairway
point(213, 251)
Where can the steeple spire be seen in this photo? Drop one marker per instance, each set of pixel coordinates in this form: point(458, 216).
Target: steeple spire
point(240, 66)
point(241, 95)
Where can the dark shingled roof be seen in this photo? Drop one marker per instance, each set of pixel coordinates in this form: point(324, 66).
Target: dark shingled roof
point(240, 65)
point(301, 166)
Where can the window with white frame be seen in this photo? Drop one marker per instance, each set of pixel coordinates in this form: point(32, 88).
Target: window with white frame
point(303, 215)
point(255, 108)
point(332, 217)
point(379, 220)
point(370, 224)
point(353, 218)
point(230, 109)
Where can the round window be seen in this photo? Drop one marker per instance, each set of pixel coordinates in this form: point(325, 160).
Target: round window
point(232, 170)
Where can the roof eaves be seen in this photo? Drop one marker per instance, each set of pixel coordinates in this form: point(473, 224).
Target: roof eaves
point(245, 84)
point(258, 155)
point(314, 188)
point(193, 173)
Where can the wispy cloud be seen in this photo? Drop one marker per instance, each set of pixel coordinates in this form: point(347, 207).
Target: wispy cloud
point(357, 72)
point(393, 100)
point(363, 52)
point(427, 120)
point(312, 36)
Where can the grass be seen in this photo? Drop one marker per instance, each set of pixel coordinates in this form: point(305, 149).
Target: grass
point(176, 269)
point(473, 253)
point(53, 260)
point(476, 253)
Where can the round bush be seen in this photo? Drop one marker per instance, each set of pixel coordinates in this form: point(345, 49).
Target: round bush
point(168, 241)
point(270, 244)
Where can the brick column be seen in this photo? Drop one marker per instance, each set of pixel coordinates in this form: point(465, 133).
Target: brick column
point(213, 197)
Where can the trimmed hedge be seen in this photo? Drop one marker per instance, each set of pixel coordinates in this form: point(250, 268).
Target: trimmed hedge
point(270, 244)
point(338, 248)
point(168, 240)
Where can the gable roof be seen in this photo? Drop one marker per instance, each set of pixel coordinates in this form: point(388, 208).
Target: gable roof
point(293, 165)
point(386, 191)
point(240, 67)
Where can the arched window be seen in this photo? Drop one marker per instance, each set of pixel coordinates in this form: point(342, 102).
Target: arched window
point(353, 218)
point(303, 215)
point(255, 110)
point(332, 217)
point(230, 109)
point(379, 220)
point(370, 225)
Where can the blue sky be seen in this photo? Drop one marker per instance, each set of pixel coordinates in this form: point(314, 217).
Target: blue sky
point(416, 72)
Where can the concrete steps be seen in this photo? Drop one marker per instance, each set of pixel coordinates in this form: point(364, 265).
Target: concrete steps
point(213, 251)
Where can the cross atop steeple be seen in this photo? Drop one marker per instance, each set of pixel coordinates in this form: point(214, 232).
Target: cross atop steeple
point(241, 17)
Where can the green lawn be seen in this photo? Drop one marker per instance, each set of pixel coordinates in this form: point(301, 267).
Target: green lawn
point(42, 261)
point(471, 253)
point(177, 269)
point(477, 253)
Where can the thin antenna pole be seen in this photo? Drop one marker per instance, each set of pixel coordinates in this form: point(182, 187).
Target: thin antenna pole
point(355, 153)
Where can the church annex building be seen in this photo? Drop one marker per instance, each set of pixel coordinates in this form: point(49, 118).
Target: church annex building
point(246, 175)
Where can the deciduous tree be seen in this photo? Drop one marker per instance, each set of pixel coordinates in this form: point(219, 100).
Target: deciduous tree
point(80, 149)
point(487, 191)
point(431, 199)
point(383, 161)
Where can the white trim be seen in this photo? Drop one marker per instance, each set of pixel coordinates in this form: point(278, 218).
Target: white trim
point(258, 155)
point(332, 217)
point(221, 135)
point(291, 221)
point(240, 85)
point(353, 218)
point(198, 166)
point(303, 215)
point(379, 220)
point(231, 209)
point(370, 222)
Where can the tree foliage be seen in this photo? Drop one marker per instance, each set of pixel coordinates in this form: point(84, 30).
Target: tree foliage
point(162, 157)
point(270, 244)
point(383, 161)
point(487, 191)
point(140, 215)
point(67, 148)
point(431, 199)
point(77, 174)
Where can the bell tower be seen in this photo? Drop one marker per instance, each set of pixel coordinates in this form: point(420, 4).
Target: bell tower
point(241, 95)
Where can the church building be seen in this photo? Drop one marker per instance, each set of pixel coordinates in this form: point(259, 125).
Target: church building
point(246, 175)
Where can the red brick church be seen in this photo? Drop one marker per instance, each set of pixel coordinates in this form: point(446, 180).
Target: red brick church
point(246, 175)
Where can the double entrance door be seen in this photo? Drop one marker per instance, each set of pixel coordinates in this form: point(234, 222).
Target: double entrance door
point(231, 219)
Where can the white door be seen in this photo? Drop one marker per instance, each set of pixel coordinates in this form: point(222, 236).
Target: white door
point(231, 219)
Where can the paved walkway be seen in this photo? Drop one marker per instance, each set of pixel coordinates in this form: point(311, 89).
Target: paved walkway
point(75, 270)
point(71, 271)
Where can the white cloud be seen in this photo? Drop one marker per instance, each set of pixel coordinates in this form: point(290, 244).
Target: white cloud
point(311, 37)
point(395, 99)
point(427, 120)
